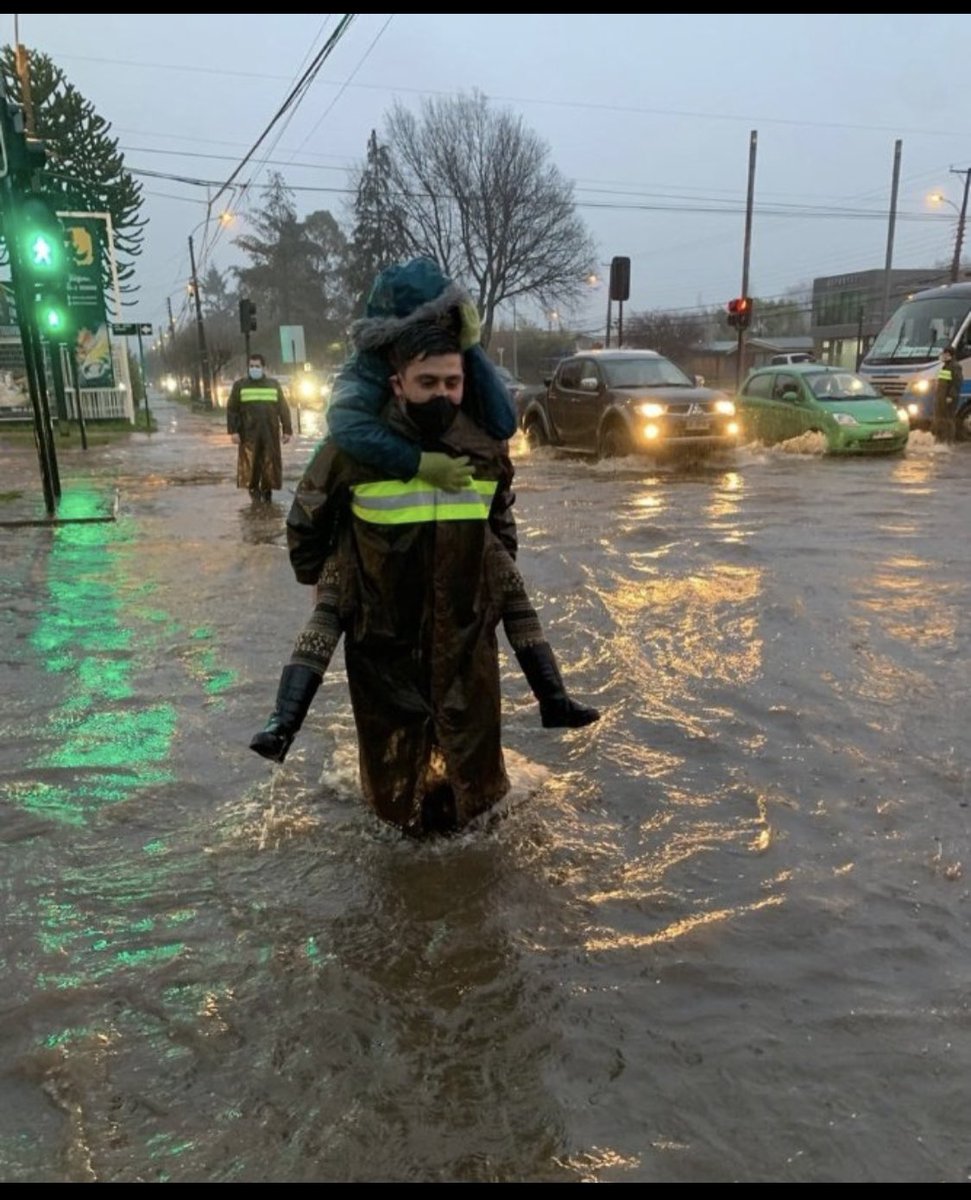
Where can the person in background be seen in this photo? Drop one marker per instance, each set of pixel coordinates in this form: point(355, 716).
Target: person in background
point(258, 420)
point(950, 377)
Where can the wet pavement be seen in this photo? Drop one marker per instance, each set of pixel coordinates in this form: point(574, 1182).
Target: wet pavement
point(721, 935)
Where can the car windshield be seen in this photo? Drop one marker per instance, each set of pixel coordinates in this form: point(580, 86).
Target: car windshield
point(841, 385)
point(643, 372)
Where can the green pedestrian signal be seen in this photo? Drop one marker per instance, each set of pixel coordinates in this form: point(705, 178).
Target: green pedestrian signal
point(41, 239)
point(43, 258)
point(52, 314)
point(40, 252)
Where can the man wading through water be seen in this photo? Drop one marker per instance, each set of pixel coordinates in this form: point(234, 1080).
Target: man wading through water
point(404, 296)
point(257, 419)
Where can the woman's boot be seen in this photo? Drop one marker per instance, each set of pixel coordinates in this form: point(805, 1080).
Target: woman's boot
point(298, 686)
point(556, 709)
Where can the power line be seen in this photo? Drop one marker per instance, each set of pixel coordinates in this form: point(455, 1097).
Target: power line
point(303, 83)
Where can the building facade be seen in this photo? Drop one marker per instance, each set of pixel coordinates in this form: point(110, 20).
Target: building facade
point(850, 310)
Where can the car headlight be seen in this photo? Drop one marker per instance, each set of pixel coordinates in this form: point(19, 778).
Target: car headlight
point(725, 407)
point(845, 419)
point(651, 410)
point(307, 389)
point(913, 410)
point(904, 413)
point(921, 386)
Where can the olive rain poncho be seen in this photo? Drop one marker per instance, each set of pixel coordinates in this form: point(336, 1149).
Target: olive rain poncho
point(420, 600)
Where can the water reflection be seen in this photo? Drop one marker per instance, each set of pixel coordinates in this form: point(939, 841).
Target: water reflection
point(263, 523)
point(105, 742)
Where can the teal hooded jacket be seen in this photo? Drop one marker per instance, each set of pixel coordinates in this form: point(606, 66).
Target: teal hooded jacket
point(401, 295)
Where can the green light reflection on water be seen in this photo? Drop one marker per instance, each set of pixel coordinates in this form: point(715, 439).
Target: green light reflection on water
point(81, 634)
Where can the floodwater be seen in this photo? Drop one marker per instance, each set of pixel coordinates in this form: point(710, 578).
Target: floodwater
point(721, 935)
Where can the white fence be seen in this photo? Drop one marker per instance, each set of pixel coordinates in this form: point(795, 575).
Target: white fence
point(102, 404)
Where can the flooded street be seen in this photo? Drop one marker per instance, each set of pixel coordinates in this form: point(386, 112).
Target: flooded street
point(720, 935)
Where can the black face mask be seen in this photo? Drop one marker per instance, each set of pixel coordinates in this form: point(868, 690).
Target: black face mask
point(433, 417)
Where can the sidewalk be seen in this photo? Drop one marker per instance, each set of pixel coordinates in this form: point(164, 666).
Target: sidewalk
point(91, 479)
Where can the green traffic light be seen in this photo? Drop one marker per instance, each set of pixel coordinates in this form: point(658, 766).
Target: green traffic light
point(52, 320)
point(41, 251)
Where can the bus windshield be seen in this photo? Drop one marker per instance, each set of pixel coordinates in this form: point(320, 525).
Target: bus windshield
point(920, 329)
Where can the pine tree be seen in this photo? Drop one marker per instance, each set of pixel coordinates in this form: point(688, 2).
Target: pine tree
point(297, 271)
point(378, 238)
point(85, 168)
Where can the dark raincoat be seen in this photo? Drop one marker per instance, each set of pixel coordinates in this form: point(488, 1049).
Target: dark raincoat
point(258, 411)
point(421, 601)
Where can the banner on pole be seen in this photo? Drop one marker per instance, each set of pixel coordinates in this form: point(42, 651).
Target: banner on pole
point(86, 302)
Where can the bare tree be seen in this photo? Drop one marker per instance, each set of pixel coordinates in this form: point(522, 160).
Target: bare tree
point(475, 190)
point(672, 334)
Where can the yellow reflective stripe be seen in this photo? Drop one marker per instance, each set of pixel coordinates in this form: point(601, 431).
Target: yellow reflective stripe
point(393, 502)
point(261, 395)
point(945, 373)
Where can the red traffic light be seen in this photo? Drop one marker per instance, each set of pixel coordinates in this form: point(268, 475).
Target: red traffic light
point(740, 311)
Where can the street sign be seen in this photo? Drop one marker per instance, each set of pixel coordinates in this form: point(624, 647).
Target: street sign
point(145, 329)
point(292, 347)
point(124, 330)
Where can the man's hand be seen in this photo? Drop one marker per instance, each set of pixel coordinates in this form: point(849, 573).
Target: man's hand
point(471, 329)
point(235, 437)
point(446, 472)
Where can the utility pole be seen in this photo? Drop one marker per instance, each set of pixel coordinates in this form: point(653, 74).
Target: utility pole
point(203, 351)
point(746, 252)
point(885, 304)
point(959, 237)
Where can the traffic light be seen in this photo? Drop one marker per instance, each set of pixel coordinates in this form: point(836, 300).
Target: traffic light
point(40, 235)
point(21, 156)
point(740, 312)
point(619, 278)
point(247, 316)
point(42, 256)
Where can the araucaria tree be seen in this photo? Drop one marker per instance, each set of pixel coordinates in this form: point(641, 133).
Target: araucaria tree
point(474, 189)
point(85, 169)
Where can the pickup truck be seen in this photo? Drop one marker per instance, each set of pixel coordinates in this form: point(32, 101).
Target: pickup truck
point(609, 403)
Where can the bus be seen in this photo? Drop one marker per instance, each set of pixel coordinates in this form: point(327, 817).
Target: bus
point(905, 356)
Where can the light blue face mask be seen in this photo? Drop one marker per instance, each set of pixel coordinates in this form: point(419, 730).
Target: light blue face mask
point(256, 372)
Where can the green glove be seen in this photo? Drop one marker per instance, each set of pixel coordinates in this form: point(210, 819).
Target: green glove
point(446, 472)
point(471, 329)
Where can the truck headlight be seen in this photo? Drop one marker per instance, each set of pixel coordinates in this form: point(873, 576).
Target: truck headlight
point(725, 408)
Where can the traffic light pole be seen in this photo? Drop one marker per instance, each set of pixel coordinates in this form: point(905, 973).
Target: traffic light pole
point(76, 386)
point(206, 378)
point(746, 254)
point(33, 363)
point(141, 366)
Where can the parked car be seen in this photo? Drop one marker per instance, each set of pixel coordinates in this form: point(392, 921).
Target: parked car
point(778, 403)
point(619, 402)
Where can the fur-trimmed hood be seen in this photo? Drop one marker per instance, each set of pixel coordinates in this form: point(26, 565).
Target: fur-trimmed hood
point(413, 291)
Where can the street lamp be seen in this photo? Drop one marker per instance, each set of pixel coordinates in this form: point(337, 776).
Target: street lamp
point(204, 371)
point(939, 198)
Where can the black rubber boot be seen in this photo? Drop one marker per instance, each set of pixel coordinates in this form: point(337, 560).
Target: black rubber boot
point(298, 686)
point(556, 709)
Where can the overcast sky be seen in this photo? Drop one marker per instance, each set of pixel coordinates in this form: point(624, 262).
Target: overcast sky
point(650, 116)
